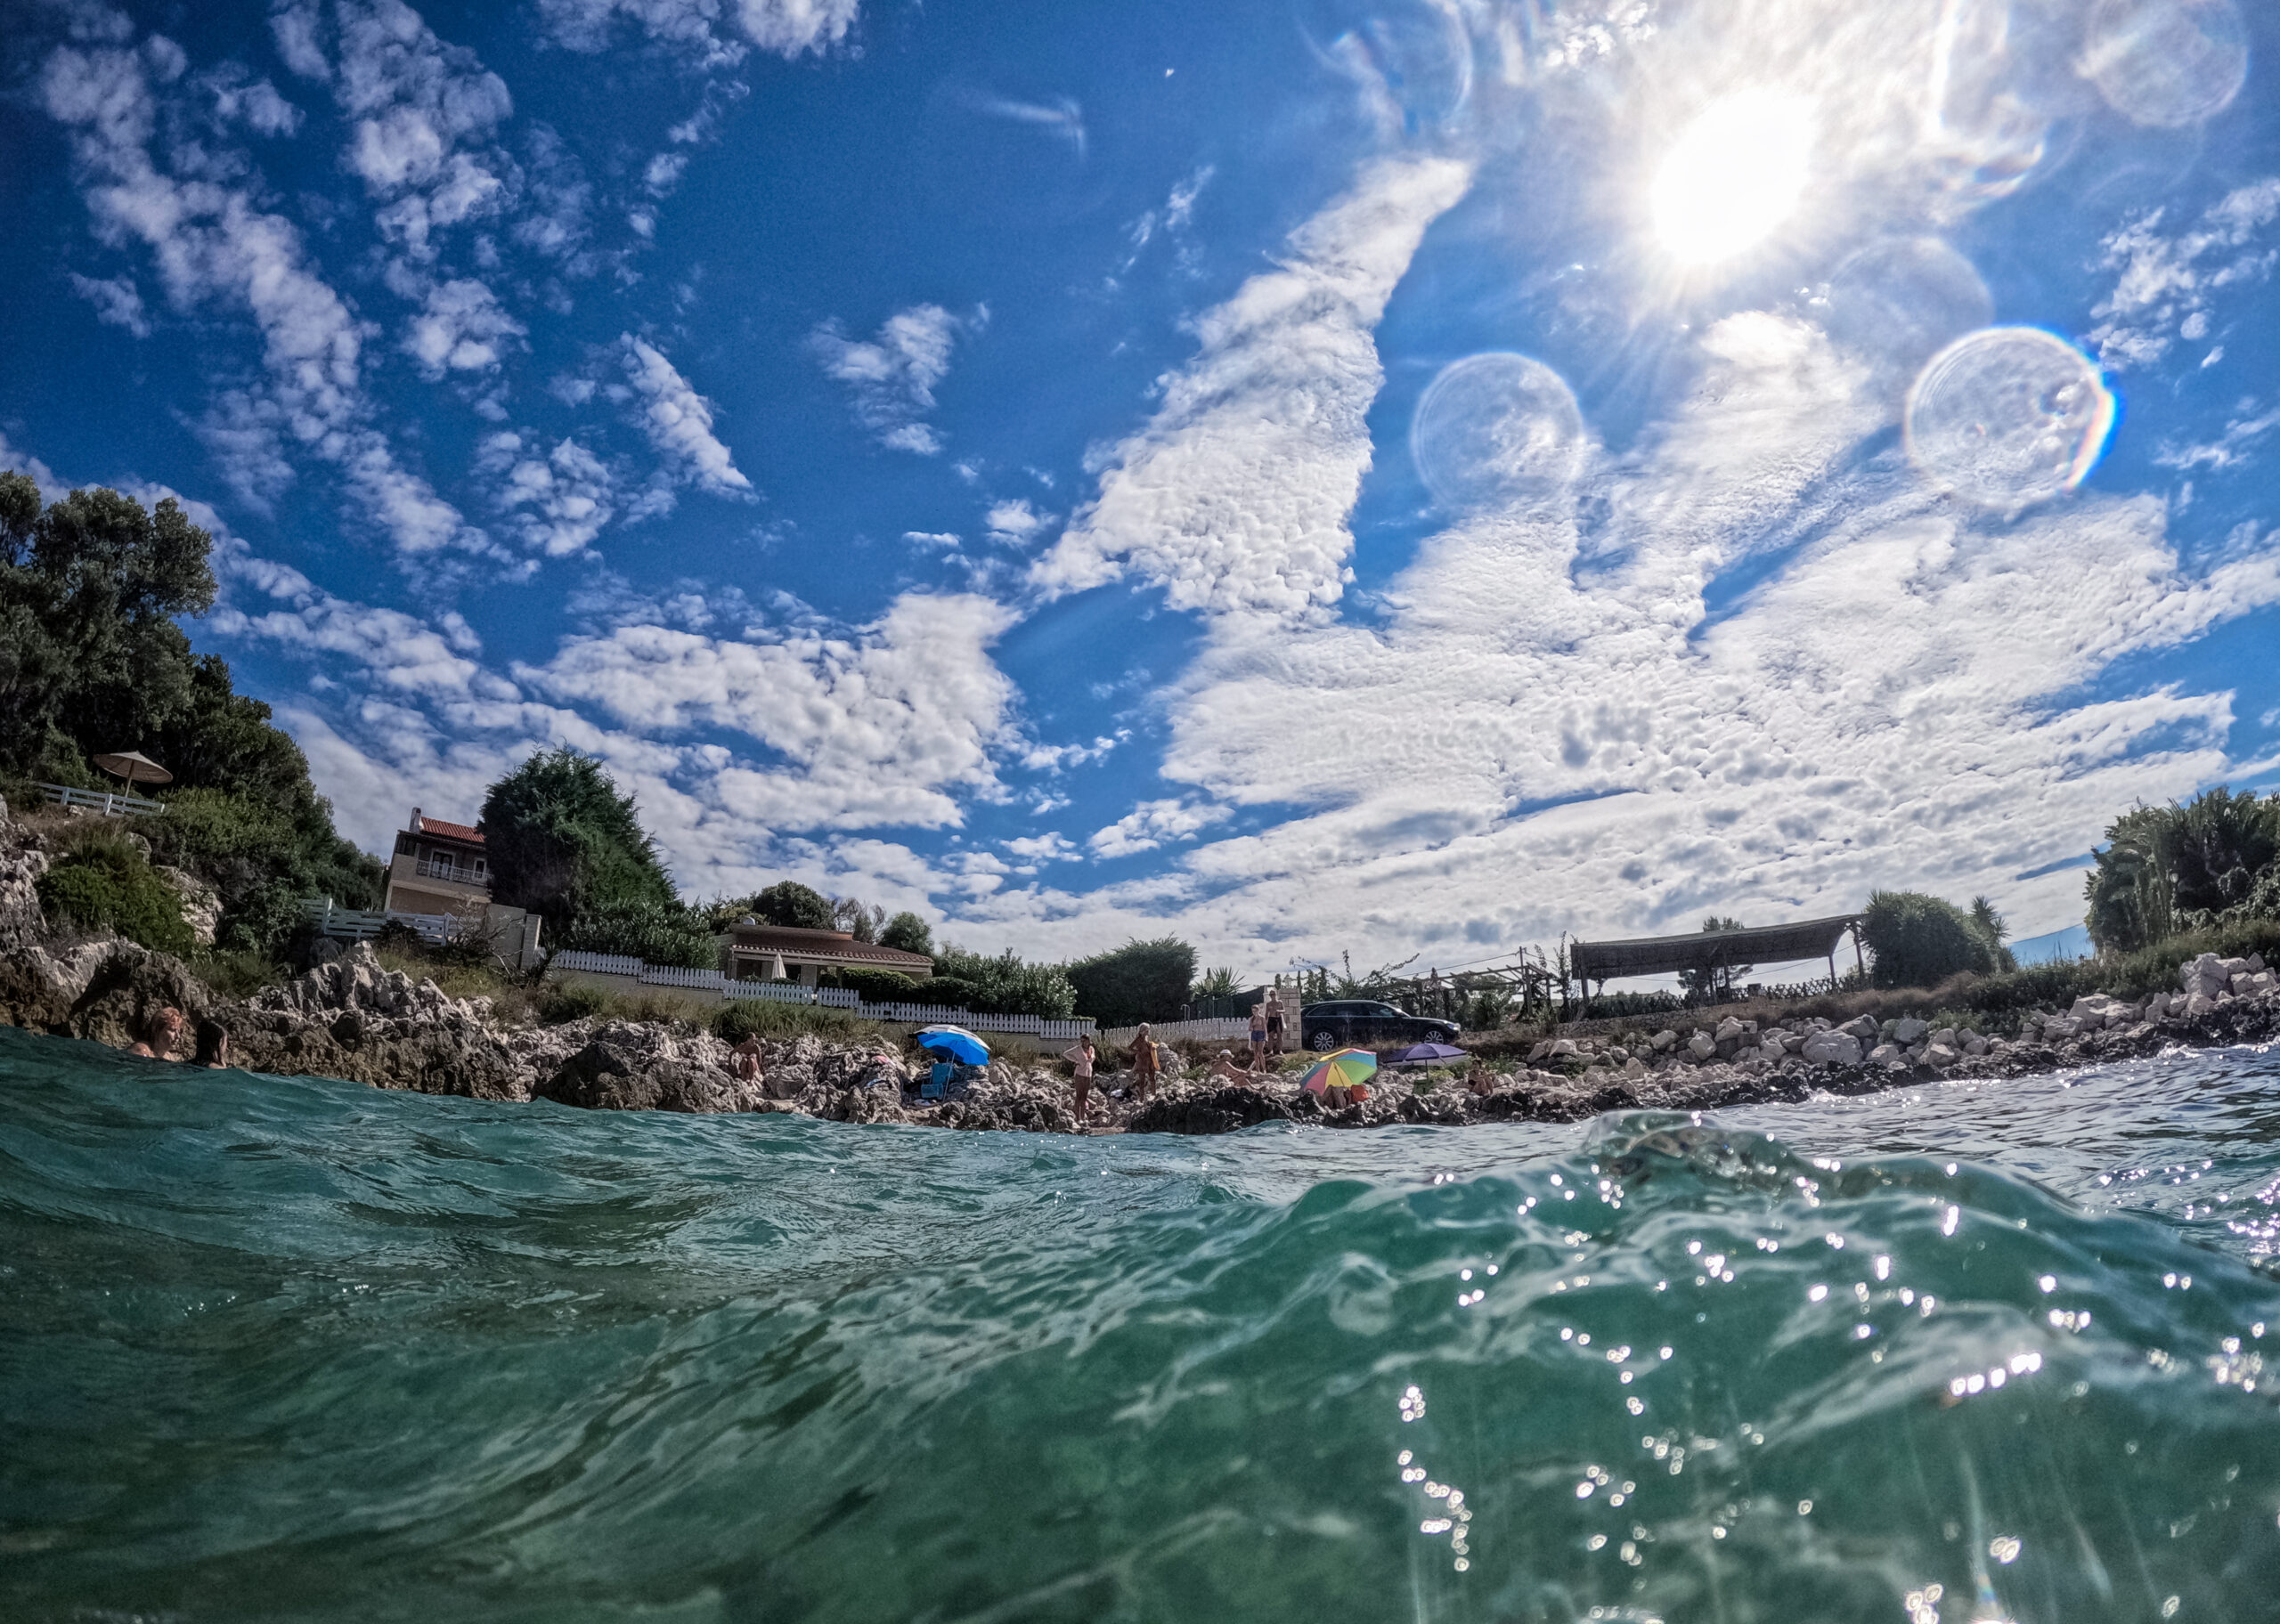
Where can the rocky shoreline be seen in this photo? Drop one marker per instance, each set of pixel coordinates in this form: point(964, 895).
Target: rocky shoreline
point(354, 1020)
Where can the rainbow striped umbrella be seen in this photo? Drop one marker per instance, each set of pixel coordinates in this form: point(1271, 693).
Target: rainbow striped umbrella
point(1344, 1069)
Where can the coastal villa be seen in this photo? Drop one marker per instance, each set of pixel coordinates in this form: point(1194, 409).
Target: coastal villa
point(440, 870)
point(753, 952)
point(437, 868)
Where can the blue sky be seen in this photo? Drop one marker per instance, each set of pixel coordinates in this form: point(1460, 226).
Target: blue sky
point(1413, 477)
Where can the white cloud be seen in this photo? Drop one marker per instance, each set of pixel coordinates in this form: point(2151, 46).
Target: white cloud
point(116, 302)
point(238, 98)
point(893, 376)
point(1014, 523)
point(1061, 117)
point(1235, 494)
point(559, 500)
point(679, 421)
point(301, 33)
point(2164, 284)
point(1152, 823)
point(417, 103)
point(1031, 852)
point(460, 329)
point(2233, 449)
point(718, 31)
point(210, 241)
point(883, 725)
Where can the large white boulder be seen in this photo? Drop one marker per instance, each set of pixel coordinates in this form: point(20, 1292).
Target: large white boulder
point(1860, 1027)
point(1832, 1049)
point(1700, 1046)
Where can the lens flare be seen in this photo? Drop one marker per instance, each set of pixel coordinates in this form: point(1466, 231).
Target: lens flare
point(1735, 175)
point(2009, 416)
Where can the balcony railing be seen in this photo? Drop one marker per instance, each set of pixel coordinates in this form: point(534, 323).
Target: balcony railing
point(460, 874)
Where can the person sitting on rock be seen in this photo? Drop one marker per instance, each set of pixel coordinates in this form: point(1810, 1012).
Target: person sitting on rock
point(1225, 1067)
point(1481, 1080)
point(162, 1035)
point(213, 1046)
point(1144, 1064)
point(745, 1059)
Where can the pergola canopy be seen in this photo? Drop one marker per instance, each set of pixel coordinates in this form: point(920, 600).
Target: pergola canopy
point(1662, 955)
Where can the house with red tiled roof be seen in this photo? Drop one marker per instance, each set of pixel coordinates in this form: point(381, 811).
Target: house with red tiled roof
point(437, 867)
point(755, 952)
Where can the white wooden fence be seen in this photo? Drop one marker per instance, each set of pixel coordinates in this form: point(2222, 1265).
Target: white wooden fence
point(1219, 1029)
point(361, 925)
point(104, 801)
point(827, 997)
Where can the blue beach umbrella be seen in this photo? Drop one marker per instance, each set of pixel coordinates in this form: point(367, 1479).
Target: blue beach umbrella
point(958, 1043)
point(1423, 1054)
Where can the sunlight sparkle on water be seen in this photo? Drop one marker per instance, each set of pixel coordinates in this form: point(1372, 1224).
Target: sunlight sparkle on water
point(1735, 175)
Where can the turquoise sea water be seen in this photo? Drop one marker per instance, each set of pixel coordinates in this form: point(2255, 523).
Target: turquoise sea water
point(295, 1349)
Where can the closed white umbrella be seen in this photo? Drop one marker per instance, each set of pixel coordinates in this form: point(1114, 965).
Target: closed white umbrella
point(776, 967)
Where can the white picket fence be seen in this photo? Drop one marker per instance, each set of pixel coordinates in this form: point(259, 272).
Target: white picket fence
point(362, 924)
point(1220, 1029)
point(105, 801)
point(828, 997)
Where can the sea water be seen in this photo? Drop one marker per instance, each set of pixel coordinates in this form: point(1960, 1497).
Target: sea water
point(298, 1349)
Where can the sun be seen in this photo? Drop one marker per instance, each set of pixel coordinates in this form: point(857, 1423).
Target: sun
point(1735, 175)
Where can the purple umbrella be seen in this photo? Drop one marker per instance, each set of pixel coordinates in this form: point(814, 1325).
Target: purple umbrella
point(1422, 1054)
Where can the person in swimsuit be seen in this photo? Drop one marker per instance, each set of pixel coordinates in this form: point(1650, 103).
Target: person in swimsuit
point(1274, 1025)
point(1144, 1064)
point(1081, 1057)
point(213, 1050)
point(161, 1034)
point(1258, 1036)
point(746, 1061)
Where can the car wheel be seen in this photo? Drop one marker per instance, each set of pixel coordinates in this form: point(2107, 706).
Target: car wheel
point(1323, 1042)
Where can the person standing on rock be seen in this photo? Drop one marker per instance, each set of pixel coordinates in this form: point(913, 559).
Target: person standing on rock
point(162, 1035)
point(1259, 1036)
point(1144, 1064)
point(1274, 1024)
point(1080, 1059)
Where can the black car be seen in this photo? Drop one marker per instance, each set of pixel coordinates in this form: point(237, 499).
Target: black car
point(1359, 1023)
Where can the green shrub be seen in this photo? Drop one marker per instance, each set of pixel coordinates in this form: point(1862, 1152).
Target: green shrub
point(565, 845)
point(879, 986)
point(1003, 986)
point(1139, 981)
point(561, 1005)
point(1919, 940)
point(238, 973)
point(743, 1017)
point(103, 882)
point(658, 933)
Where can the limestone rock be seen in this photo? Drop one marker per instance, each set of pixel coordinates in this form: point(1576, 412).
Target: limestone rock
point(1701, 1046)
point(618, 1077)
point(201, 904)
point(1838, 1048)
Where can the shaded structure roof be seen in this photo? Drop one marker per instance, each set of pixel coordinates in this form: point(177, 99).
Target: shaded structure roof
point(1663, 955)
point(831, 946)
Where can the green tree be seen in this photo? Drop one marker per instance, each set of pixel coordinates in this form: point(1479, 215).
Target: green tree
point(1919, 940)
point(2164, 869)
point(793, 906)
point(563, 843)
point(1701, 984)
point(1219, 983)
point(908, 933)
point(1139, 981)
point(92, 659)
